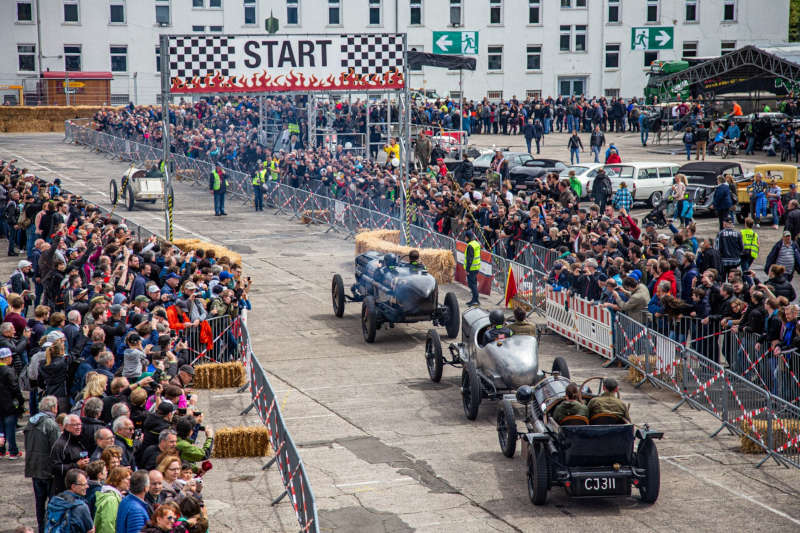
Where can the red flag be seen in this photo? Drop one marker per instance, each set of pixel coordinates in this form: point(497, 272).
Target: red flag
point(511, 287)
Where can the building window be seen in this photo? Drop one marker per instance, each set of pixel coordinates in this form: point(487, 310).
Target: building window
point(162, 12)
point(217, 4)
point(198, 3)
point(613, 11)
point(652, 10)
point(533, 93)
point(568, 4)
point(495, 55)
point(334, 12)
point(494, 95)
point(495, 11)
point(727, 47)
point(415, 15)
point(117, 13)
point(250, 12)
point(72, 57)
point(200, 29)
point(729, 10)
point(292, 12)
point(416, 67)
point(375, 12)
point(691, 11)
point(534, 57)
point(612, 93)
point(24, 12)
point(612, 55)
point(534, 11)
point(564, 38)
point(71, 11)
point(158, 59)
point(119, 59)
point(455, 12)
point(580, 38)
point(215, 29)
point(26, 57)
point(649, 57)
point(689, 49)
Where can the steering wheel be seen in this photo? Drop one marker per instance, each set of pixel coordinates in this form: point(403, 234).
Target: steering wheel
point(600, 385)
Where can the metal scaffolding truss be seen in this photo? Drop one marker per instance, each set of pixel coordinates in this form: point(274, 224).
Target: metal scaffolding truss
point(749, 60)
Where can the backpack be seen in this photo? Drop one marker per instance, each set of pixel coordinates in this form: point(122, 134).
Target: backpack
point(59, 514)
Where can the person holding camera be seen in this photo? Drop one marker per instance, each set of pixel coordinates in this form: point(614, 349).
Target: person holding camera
point(186, 447)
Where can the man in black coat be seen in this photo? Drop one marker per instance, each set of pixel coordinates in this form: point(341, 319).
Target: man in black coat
point(601, 189)
point(41, 434)
point(91, 423)
point(156, 422)
point(793, 219)
point(67, 453)
point(12, 404)
point(708, 257)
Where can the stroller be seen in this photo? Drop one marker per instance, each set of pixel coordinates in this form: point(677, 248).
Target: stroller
point(658, 215)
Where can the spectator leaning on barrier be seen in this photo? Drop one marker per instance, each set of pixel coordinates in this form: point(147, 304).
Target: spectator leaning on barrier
point(41, 434)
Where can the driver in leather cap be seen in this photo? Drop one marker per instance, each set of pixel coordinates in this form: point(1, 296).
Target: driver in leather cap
point(413, 259)
point(520, 326)
point(498, 329)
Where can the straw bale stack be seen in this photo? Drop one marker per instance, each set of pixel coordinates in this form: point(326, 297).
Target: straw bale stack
point(242, 441)
point(635, 376)
point(792, 426)
point(41, 118)
point(313, 217)
point(197, 244)
point(219, 375)
point(440, 263)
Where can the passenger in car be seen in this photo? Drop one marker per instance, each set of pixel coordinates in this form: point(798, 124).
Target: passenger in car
point(520, 326)
point(571, 405)
point(608, 402)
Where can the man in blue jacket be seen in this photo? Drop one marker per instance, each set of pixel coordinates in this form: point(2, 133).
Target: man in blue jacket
point(69, 508)
point(132, 512)
point(722, 201)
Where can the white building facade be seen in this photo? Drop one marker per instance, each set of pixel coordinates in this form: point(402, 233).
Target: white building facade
point(525, 47)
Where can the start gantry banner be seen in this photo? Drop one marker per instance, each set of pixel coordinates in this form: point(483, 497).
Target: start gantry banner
point(259, 63)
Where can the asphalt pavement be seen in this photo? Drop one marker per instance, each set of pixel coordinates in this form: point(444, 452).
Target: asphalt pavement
point(386, 449)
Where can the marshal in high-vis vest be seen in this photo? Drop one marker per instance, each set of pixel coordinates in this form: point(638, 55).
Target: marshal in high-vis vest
point(218, 184)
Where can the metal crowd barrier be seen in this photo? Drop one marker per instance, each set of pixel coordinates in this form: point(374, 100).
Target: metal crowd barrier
point(222, 347)
point(286, 457)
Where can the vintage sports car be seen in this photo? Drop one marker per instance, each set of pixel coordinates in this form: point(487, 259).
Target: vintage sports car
point(488, 370)
point(589, 458)
point(394, 292)
point(139, 185)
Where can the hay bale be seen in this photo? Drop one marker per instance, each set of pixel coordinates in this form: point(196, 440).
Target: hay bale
point(197, 244)
point(780, 428)
point(440, 263)
point(243, 441)
point(219, 375)
point(15, 119)
point(635, 376)
point(315, 216)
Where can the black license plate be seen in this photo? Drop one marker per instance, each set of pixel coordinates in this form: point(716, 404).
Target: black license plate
point(599, 485)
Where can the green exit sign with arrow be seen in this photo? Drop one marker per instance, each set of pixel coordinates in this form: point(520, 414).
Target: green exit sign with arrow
point(455, 42)
point(653, 38)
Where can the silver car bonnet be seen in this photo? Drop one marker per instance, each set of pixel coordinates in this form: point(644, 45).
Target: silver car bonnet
point(514, 360)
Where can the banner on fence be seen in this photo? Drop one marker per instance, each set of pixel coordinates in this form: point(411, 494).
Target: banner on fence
point(484, 274)
point(583, 322)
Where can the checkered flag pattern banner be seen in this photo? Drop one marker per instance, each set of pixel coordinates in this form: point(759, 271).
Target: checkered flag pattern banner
point(191, 56)
point(372, 53)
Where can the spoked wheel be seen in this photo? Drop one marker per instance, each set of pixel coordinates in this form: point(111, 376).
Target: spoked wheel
point(470, 391)
point(506, 428)
point(433, 355)
point(560, 366)
point(538, 479)
point(369, 320)
point(453, 315)
point(113, 192)
point(655, 198)
point(129, 197)
point(647, 458)
point(337, 295)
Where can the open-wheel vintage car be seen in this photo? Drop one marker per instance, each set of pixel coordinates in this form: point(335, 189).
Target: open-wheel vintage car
point(602, 457)
point(139, 185)
point(488, 369)
point(394, 292)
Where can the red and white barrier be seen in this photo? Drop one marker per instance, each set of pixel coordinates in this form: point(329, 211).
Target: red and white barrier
point(581, 321)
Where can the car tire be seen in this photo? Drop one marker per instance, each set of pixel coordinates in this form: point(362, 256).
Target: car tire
point(560, 366)
point(433, 355)
point(506, 428)
point(470, 391)
point(453, 315)
point(369, 320)
point(337, 295)
point(538, 478)
point(113, 193)
point(647, 458)
point(655, 198)
point(129, 197)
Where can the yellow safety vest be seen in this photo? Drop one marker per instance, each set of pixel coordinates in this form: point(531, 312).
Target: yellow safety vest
point(273, 170)
point(294, 128)
point(216, 183)
point(476, 257)
point(750, 241)
point(162, 166)
point(260, 178)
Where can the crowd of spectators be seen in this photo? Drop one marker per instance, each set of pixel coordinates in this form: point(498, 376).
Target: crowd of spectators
point(95, 353)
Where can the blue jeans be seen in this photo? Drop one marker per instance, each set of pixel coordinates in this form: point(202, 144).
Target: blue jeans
point(30, 234)
point(548, 125)
point(9, 427)
point(41, 492)
point(644, 134)
point(570, 123)
point(596, 152)
point(472, 283)
point(219, 202)
point(258, 197)
point(12, 239)
point(528, 143)
point(774, 214)
point(688, 151)
point(574, 156)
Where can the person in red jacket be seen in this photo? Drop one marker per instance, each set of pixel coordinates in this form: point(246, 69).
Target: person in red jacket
point(667, 274)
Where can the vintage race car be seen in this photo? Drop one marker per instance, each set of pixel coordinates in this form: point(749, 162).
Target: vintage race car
point(589, 458)
point(138, 184)
point(394, 292)
point(487, 370)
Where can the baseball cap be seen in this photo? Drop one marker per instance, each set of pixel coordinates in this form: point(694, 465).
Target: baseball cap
point(787, 233)
point(24, 263)
point(165, 407)
point(636, 274)
point(189, 286)
point(172, 275)
point(225, 275)
point(188, 369)
point(153, 288)
point(5, 353)
point(115, 309)
point(141, 298)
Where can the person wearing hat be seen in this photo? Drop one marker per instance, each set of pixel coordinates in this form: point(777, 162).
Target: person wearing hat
point(171, 283)
point(472, 265)
point(191, 303)
point(12, 403)
point(141, 304)
point(608, 402)
point(184, 376)
point(155, 423)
